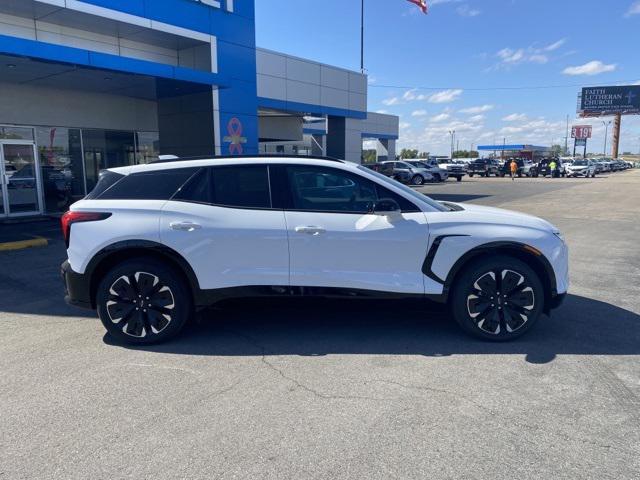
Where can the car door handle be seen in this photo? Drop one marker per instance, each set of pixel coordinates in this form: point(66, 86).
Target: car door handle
point(185, 226)
point(310, 230)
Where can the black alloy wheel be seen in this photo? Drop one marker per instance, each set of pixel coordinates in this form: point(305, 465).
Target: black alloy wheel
point(499, 299)
point(142, 302)
point(417, 180)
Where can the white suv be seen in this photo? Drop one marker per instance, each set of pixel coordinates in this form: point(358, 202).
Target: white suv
point(153, 243)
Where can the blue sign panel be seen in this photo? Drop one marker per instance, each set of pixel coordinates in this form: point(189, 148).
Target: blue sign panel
point(625, 99)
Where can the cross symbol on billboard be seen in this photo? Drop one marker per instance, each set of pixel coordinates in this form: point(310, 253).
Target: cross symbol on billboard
point(630, 97)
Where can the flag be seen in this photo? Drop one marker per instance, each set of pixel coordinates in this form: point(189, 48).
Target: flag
point(420, 3)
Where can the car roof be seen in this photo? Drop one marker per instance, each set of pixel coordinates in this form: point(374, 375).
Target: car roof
point(170, 164)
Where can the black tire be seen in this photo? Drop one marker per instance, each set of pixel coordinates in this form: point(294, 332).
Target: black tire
point(502, 175)
point(471, 175)
point(458, 179)
point(417, 180)
point(509, 317)
point(143, 301)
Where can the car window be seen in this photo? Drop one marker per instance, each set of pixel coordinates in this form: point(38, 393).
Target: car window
point(153, 185)
point(241, 186)
point(330, 190)
point(402, 165)
point(197, 189)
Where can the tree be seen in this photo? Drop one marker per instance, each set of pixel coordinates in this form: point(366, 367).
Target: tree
point(369, 156)
point(556, 150)
point(466, 154)
point(424, 155)
point(408, 153)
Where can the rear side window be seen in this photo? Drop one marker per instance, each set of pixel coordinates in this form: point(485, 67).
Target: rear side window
point(242, 186)
point(106, 179)
point(154, 185)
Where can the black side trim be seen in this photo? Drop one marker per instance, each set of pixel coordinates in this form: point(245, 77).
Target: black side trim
point(76, 287)
point(431, 255)
point(210, 297)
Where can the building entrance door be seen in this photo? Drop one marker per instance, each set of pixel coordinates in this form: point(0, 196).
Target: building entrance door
point(20, 179)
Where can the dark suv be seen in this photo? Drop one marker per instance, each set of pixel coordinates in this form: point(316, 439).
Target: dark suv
point(484, 167)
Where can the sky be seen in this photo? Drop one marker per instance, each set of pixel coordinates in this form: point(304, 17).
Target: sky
point(463, 66)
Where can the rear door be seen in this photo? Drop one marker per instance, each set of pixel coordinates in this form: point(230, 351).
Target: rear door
point(224, 223)
point(335, 240)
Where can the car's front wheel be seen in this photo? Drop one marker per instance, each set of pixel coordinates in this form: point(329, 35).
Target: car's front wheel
point(498, 298)
point(143, 301)
point(417, 180)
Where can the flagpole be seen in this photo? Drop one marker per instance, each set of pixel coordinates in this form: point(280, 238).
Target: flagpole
point(362, 36)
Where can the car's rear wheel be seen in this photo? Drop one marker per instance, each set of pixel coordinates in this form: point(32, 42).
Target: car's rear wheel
point(417, 180)
point(458, 179)
point(143, 301)
point(498, 298)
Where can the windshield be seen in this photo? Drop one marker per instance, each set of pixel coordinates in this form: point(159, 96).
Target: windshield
point(580, 163)
point(419, 164)
point(409, 191)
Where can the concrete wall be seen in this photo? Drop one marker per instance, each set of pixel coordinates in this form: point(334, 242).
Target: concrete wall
point(292, 79)
point(30, 105)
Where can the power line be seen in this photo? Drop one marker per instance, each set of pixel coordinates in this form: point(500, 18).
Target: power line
point(486, 89)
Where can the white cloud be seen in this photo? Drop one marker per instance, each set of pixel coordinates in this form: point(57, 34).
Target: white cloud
point(382, 111)
point(371, 80)
point(411, 95)
point(418, 113)
point(594, 67)
point(439, 118)
point(391, 101)
point(478, 109)
point(467, 11)
point(538, 58)
point(511, 56)
point(554, 46)
point(532, 54)
point(515, 117)
point(634, 9)
point(476, 118)
point(445, 96)
point(404, 125)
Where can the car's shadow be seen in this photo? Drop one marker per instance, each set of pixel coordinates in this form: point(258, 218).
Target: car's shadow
point(321, 327)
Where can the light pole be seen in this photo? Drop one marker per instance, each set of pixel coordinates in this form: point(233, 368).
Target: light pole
point(606, 133)
point(453, 136)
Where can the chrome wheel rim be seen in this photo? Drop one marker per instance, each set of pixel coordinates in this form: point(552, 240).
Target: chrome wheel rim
point(501, 302)
point(140, 305)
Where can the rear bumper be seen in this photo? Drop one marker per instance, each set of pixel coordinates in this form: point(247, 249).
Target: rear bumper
point(77, 288)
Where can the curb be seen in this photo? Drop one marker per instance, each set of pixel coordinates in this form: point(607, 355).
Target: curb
point(22, 244)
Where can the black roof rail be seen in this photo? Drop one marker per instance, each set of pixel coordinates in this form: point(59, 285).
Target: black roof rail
point(172, 158)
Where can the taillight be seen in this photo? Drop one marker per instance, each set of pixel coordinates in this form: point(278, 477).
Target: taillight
point(70, 218)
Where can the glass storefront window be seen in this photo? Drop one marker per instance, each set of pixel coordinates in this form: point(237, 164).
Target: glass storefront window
point(60, 154)
point(16, 133)
point(148, 146)
point(106, 149)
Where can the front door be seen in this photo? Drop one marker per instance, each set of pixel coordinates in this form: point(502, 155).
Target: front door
point(335, 241)
point(19, 178)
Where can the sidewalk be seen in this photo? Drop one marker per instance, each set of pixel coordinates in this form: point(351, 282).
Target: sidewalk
point(17, 235)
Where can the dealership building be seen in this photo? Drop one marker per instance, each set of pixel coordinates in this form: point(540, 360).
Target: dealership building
point(94, 84)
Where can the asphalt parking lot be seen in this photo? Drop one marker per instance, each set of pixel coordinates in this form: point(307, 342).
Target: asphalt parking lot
point(327, 389)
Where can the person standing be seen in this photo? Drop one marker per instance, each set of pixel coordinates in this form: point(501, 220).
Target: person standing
point(552, 168)
point(513, 168)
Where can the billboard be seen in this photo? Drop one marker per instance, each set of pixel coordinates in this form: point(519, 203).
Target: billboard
point(610, 100)
point(581, 132)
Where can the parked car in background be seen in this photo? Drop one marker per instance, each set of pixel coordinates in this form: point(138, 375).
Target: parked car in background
point(543, 168)
point(439, 174)
point(484, 167)
point(456, 168)
point(582, 168)
point(417, 175)
point(526, 168)
point(402, 176)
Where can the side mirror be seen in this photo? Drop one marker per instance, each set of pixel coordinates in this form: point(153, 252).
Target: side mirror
point(386, 206)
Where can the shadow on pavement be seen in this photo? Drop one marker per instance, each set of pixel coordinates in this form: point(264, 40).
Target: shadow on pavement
point(314, 328)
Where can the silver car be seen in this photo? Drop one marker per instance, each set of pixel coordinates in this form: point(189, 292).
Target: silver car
point(418, 175)
point(439, 174)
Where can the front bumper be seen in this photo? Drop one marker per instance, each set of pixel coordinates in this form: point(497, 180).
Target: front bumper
point(77, 288)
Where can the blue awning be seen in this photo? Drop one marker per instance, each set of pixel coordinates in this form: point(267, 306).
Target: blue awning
point(529, 148)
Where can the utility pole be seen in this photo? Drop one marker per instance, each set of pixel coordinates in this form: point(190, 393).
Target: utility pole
point(566, 138)
point(453, 136)
point(617, 123)
point(504, 145)
point(362, 36)
point(606, 134)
